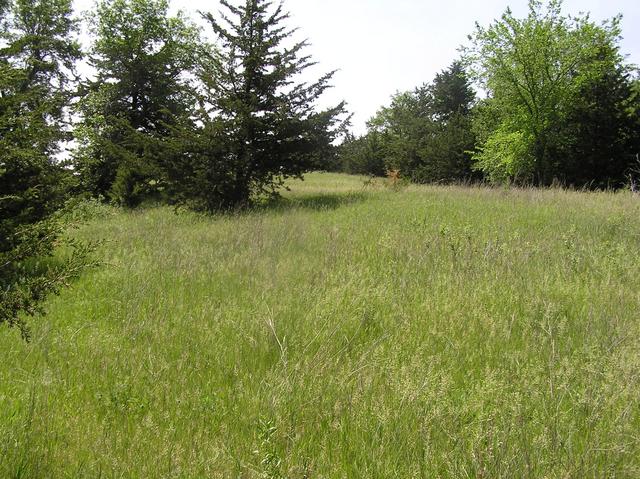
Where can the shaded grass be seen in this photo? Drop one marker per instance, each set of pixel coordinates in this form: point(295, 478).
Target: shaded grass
point(314, 202)
point(347, 332)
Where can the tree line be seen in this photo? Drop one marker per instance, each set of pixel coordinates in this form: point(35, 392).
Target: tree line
point(168, 115)
point(559, 104)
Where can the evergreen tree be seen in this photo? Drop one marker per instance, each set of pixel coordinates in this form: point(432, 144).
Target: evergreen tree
point(257, 125)
point(37, 58)
point(451, 92)
point(142, 59)
point(363, 155)
point(446, 155)
point(602, 134)
point(36, 86)
point(425, 133)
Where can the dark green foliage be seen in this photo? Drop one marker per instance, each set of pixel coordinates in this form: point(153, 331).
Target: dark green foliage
point(425, 133)
point(36, 62)
point(37, 54)
point(403, 128)
point(363, 155)
point(446, 154)
point(451, 92)
point(602, 134)
point(142, 58)
point(256, 125)
point(201, 168)
point(29, 272)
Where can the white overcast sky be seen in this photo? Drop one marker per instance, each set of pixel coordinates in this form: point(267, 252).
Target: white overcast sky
point(384, 46)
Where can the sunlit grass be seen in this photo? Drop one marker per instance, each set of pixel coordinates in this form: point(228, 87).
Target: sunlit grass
point(350, 331)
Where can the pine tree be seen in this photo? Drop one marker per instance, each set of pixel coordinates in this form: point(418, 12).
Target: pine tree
point(451, 92)
point(445, 157)
point(601, 134)
point(425, 133)
point(37, 59)
point(142, 58)
point(36, 88)
point(257, 125)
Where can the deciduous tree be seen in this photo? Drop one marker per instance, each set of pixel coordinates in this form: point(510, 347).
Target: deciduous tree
point(542, 74)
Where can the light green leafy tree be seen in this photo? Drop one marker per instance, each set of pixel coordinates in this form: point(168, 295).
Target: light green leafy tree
point(534, 70)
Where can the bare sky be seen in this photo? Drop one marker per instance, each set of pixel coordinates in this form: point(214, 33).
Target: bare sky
point(384, 46)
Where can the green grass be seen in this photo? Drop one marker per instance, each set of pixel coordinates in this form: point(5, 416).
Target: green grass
point(348, 332)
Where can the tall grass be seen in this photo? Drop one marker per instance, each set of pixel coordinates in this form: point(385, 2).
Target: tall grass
point(349, 331)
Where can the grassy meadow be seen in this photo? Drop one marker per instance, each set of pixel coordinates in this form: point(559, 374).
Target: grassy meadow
point(350, 331)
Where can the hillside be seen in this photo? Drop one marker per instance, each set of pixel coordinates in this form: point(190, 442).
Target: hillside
point(349, 331)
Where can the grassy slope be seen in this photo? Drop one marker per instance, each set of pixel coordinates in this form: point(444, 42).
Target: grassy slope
point(430, 332)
